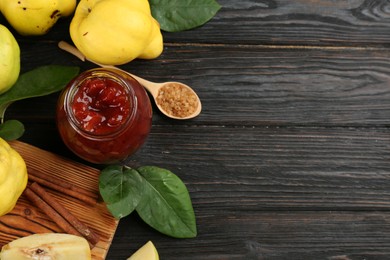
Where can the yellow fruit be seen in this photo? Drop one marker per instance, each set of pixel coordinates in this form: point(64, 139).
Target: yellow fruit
point(146, 252)
point(35, 17)
point(9, 59)
point(50, 246)
point(114, 32)
point(13, 177)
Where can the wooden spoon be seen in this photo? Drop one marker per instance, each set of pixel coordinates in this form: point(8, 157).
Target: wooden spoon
point(157, 90)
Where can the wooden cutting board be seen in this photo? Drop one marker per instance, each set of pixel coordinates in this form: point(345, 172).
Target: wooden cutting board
point(25, 219)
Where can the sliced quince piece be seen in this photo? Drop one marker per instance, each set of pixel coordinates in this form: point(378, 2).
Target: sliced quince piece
point(146, 252)
point(48, 246)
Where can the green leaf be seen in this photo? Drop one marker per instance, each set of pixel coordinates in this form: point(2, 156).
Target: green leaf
point(166, 204)
point(11, 130)
point(121, 189)
point(39, 82)
point(180, 15)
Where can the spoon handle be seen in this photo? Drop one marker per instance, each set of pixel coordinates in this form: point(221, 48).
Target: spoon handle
point(151, 87)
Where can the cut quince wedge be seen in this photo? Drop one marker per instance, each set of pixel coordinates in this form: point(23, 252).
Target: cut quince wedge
point(47, 246)
point(146, 252)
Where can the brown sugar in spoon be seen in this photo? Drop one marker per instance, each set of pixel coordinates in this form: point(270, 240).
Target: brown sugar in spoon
point(174, 99)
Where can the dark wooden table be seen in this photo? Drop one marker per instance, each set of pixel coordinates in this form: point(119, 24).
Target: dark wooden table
point(290, 158)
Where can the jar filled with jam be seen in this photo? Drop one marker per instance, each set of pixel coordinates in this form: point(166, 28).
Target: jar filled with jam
point(104, 115)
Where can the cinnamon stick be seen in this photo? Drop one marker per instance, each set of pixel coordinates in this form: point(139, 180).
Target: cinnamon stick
point(60, 214)
point(57, 218)
point(63, 187)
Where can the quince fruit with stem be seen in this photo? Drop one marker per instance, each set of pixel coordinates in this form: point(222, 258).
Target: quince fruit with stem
point(114, 32)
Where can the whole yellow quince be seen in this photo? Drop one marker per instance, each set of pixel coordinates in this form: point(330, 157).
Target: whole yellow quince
point(35, 17)
point(9, 59)
point(115, 32)
point(13, 177)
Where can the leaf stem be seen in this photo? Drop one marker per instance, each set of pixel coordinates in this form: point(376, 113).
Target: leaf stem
point(3, 108)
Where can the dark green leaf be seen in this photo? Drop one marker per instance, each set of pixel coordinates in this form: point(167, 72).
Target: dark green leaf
point(166, 204)
point(11, 130)
point(39, 82)
point(121, 189)
point(180, 15)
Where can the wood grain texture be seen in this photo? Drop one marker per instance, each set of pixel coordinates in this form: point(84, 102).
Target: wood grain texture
point(277, 168)
point(269, 235)
point(26, 219)
point(243, 85)
point(298, 22)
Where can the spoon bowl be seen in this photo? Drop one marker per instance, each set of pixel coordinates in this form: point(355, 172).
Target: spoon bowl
point(187, 106)
point(156, 90)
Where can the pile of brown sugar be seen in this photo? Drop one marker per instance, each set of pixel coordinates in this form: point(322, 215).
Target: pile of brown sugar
point(177, 100)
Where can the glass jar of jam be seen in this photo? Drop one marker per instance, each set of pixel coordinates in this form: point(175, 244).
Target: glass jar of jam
point(104, 115)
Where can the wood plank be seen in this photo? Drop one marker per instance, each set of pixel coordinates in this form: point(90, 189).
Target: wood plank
point(242, 168)
point(298, 22)
point(273, 86)
point(26, 219)
point(273, 235)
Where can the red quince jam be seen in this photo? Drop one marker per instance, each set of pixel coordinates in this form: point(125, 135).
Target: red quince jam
point(104, 115)
point(101, 105)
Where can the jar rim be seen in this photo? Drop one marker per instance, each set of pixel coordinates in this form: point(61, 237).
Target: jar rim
point(99, 73)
